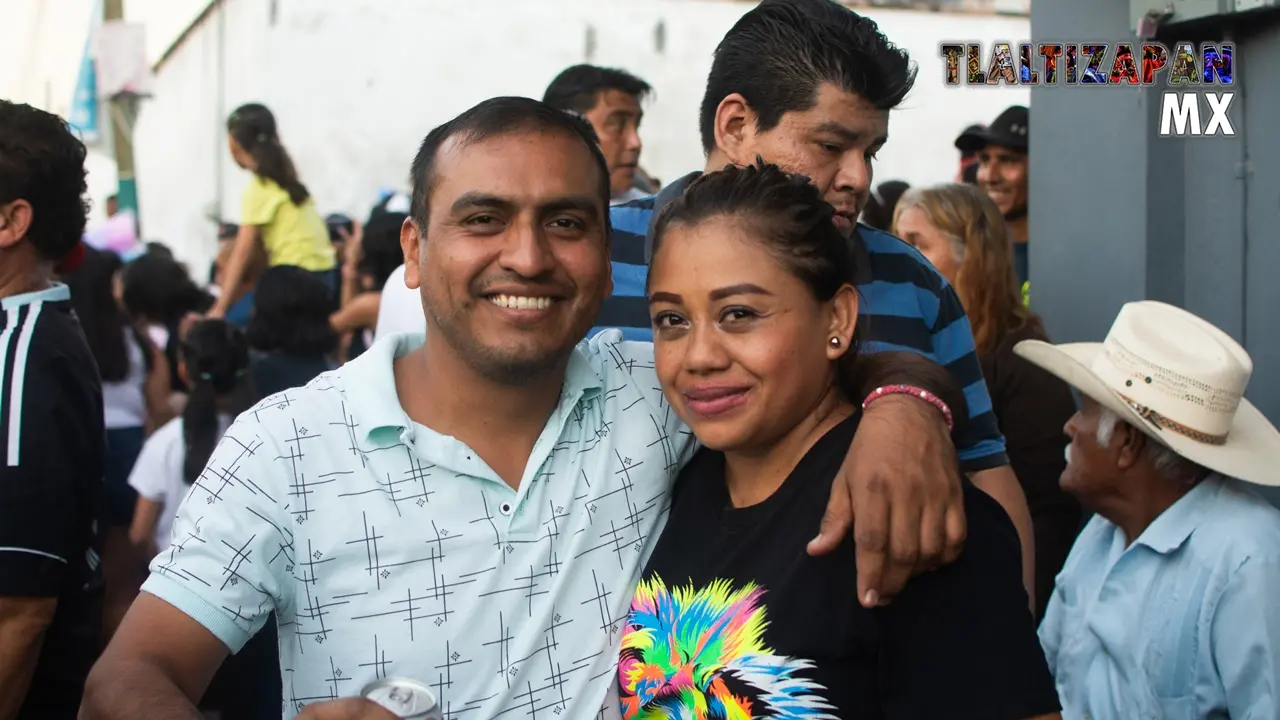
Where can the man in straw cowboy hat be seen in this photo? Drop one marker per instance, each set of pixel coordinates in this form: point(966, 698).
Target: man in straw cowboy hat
point(1166, 607)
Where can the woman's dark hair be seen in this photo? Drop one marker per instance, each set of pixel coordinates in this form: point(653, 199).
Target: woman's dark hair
point(216, 356)
point(880, 206)
point(159, 248)
point(106, 328)
point(793, 224)
point(254, 128)
point(158, 288)
point(291, 310)
point(381, 253)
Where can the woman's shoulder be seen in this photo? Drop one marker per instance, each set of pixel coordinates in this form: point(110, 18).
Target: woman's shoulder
point(1031, 329)
point(164, 443)
point(167, 433)
point(1003, 359)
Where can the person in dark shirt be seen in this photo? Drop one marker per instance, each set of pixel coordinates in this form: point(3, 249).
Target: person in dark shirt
point(1002, 173)
point(52, 435)
point(364, 273)
point(755, 344)
point(962, 233)
point(158, 292)
point(289, 330)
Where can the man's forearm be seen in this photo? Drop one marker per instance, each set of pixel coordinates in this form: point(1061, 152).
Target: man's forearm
point(135, 690)
point(18, 656)
point(22, 625)
point(1002, 485)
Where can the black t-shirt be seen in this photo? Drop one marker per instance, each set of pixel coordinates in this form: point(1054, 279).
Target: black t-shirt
point(733, 612)
point(52, 444)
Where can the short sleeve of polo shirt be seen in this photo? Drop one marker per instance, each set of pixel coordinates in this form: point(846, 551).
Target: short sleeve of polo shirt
point(260, 202)
point(231, 554)
point(47, 440)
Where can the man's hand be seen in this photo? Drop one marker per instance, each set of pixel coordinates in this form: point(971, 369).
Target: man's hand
point(190, 319)
point(346, 709)
point(899, 488)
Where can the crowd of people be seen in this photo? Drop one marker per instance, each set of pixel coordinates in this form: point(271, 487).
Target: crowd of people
point(545, 435)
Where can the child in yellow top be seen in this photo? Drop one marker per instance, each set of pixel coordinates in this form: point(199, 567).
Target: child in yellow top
point(276, 208)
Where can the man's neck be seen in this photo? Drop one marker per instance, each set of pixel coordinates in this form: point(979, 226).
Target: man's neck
point(500, 422)
point(715, 161)
point(19, 275)
point(1147, 495)
point(1018, 228)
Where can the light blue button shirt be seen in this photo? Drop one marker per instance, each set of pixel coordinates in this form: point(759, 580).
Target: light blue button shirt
point(389, 550)
point(1181, 625)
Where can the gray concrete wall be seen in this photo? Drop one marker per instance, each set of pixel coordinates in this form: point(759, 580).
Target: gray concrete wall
point(1119, 213)
point(1088, 251)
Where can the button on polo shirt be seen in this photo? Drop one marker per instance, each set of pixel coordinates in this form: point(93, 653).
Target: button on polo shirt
point(390, 550)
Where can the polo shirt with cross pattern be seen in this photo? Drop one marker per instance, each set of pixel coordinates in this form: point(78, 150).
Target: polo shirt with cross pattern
point(389, 550)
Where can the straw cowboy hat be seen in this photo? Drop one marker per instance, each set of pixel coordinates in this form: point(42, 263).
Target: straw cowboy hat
point(1178, 379)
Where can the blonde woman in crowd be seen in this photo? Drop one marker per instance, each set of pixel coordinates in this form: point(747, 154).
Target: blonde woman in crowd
point(962, 233)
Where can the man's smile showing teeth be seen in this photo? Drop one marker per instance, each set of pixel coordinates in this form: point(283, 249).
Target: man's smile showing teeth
point(521, 302)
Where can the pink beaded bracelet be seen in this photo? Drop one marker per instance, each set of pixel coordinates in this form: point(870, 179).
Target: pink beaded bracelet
point(921, 393)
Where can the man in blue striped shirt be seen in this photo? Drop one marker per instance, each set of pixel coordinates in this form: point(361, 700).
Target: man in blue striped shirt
point(808, 85)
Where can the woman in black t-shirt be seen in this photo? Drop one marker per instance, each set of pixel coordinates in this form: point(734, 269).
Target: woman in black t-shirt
point(754, 337)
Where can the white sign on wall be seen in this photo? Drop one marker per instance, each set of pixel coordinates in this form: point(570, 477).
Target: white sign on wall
point(121, 55)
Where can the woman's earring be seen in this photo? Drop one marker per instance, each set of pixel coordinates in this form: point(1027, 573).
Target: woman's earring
point(835, 342)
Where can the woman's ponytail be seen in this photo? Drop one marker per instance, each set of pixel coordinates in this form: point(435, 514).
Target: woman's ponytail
point(216, 357)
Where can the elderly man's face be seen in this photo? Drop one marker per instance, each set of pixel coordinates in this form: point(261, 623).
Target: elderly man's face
point(1091, 465)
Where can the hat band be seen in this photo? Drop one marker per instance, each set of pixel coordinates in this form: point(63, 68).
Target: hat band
point(1163, 423)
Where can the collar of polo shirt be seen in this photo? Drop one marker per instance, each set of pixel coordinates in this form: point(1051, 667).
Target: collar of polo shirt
point(375, 405)
point(1172, 528)
point(56, 292)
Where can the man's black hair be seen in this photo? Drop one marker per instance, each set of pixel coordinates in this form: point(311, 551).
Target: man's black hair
point(779, 54)
point(492, 118)
point(381, 252)
point(578, 88)
point(291, 308)
point(42, 162)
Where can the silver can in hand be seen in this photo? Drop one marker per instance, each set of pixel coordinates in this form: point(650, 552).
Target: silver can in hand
point(406, 699)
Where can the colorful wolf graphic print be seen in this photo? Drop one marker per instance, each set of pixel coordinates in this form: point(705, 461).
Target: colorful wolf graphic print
point(699, 655)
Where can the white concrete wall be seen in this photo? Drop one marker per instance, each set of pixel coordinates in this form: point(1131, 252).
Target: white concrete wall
point(356, 84)
point(40, 61)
